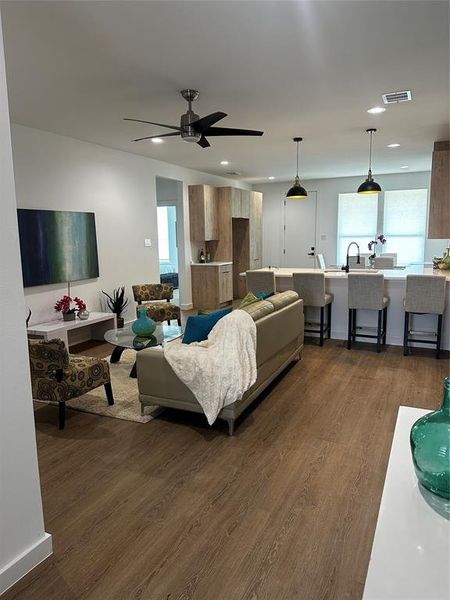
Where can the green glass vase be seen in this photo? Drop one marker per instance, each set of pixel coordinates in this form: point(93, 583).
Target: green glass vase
point(143, 326)
point(430, 447)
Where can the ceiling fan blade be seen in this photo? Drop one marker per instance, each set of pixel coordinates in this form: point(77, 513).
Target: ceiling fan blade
point(204, 123)
point(152, 123)
point(203, 142)
point(231, 131)
point(152, 137)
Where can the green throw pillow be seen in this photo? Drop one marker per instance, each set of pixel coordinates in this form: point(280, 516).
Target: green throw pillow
point(250, 298)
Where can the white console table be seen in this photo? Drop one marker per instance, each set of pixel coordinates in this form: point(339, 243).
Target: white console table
point(410, 557)
point(98, 322)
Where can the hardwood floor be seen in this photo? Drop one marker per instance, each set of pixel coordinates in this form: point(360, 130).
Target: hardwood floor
point(286, 509)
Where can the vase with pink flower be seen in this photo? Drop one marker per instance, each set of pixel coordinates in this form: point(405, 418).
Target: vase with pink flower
point(70, 307)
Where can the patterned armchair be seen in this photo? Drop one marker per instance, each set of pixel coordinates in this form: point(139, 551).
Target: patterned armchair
point(156, 298)
point(58, 376)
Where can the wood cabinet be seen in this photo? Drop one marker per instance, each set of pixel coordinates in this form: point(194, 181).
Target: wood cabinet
point(240, 203)
point(439, 217)
point(212, 285)
point(256, 200)
point(203, 213)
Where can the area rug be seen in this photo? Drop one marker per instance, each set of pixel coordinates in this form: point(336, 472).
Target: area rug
point(126, 397)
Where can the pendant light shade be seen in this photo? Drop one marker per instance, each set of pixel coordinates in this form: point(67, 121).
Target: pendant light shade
point(297, 190)
point(369, 186)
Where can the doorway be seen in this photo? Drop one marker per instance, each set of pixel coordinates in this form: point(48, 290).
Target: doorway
point(299, 232)
point(169, 195)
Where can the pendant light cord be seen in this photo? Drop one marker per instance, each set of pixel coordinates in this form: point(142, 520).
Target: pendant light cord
point(370, 151)
point(297, 159)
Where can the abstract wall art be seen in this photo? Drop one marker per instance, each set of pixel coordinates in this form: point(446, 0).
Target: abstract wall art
point(57, 246)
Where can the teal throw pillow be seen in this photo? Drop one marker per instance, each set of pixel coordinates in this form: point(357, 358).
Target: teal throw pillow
point(198, 327)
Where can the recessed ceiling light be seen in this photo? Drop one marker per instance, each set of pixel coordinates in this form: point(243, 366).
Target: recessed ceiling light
point(271, 177)
point(224, 162)
point(157, 140)
point(404, 167)
point(376, 110)
point(393, 145)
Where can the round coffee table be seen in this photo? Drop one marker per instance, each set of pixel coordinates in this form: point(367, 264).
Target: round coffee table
point(124, 339)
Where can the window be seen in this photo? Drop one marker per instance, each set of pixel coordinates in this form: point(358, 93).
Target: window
point(404, 224)
point(357, 222)
point(401, 217)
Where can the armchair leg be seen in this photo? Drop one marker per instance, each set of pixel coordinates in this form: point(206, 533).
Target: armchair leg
point(168, 321)
point(109, 393)
point(62, 414)
point(179, 322)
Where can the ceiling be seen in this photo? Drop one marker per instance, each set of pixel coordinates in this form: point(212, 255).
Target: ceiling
point(289, 68)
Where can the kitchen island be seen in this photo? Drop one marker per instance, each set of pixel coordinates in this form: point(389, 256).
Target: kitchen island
point(395, 283)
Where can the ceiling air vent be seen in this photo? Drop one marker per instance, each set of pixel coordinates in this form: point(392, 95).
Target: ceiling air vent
point(396, 97)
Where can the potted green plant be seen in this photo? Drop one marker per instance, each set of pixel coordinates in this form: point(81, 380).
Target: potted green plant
point(117, 303)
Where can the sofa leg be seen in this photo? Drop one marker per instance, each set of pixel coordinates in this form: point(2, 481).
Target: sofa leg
point(142, 410)
point(230, 426)
point(62, 414)
point(109, 393)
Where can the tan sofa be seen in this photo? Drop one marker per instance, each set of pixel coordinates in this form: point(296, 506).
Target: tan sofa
point(279, 325)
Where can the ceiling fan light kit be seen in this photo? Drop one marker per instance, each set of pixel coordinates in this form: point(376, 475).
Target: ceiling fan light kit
point(194, 129)
point(369, 186)
point(297, 190)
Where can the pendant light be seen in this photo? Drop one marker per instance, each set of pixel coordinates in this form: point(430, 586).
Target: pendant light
point(369, 186)
point(297, 191)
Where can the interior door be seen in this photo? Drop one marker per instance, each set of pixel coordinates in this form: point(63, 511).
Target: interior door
point(299, 232)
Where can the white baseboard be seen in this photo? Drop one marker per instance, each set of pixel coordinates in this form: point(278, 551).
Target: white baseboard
point(189, 306)
point(25, 562)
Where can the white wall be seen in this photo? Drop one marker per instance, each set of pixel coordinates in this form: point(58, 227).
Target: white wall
point(327, 211)
point(23, 541)
point(60, 173)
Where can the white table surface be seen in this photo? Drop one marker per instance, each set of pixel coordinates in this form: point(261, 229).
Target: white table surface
point(410, 557)
point(57, 324)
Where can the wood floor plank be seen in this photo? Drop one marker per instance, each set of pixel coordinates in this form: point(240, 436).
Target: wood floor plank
point(286, 509)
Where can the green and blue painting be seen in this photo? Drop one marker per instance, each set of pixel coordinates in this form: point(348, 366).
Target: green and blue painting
point(57, 246)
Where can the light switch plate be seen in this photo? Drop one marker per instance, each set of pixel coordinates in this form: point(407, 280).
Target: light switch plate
point(323, 237)
point(148, 242)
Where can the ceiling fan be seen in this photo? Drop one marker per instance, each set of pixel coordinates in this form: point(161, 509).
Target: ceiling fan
point(194, 129)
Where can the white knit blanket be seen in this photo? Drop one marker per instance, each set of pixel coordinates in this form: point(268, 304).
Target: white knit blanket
point(219, 370)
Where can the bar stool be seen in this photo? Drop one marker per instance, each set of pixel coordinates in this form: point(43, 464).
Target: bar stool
point(260, 281)
point(425, 295)
point(384, 262)
point(366, 292)
point(311, 288)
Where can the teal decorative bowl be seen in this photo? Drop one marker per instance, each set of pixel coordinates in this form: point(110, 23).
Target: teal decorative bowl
point(143, 326)
point(430, 447)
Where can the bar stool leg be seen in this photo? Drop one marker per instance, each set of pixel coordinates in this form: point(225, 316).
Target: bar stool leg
point(439, 335)
point(329, 321)
point(380, 317)
point(349, 336)
point(384, 325)
point(322, 312)
point(354, 326)
point(406, 335)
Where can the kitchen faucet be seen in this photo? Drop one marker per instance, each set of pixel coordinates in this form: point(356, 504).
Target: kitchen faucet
point(346, 267)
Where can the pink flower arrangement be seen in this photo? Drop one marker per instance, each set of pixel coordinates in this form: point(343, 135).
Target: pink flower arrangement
point(64, 305)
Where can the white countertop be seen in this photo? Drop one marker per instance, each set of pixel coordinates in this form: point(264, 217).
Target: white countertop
point(212, 264)
point(389, 274)
point(411, 550)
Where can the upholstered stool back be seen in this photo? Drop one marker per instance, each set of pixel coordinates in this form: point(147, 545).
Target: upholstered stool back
point(384, 262)
point(425, 294)
point(366, 291)
point(260, 281)
point(310, 287)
